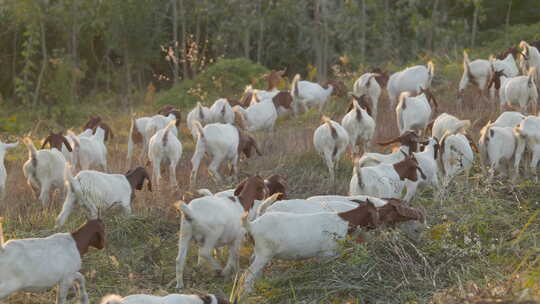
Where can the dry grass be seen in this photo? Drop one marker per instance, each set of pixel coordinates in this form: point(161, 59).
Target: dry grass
point(483, 234)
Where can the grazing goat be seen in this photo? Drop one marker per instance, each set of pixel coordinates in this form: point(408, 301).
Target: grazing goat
point(222, 142)
point(61, 143)
point(359, 125)
point(275, 184)
point(93, 189)
point(413, 113)
point(221, 111)
point(90, 151)
point(201, 114)
point(520, 90)
point(3, 172)
point(215, 221)
point(144, 127)
point(165, 146)
point(507, 64)
point(531, 59)
point(258, 116)
point(41, 263)
point(428, 161)
point(446, 122)
point(44, 170)
point(499, 146)
point(456, 152)
point(411, 79)
point(330, 139)
point(282, 101)
point(315, 235)
point(409, 143)
point(477, 72)
point(166, 110)
point(94, 122)
point(306, 94)
point(529, 138)
point(368, 85)
point(168, 299)
point(387, 180)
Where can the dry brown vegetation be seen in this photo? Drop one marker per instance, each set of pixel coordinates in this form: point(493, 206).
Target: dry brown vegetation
point(481, 241)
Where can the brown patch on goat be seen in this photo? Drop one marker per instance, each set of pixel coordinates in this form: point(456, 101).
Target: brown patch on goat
point(276, 184)
point(245, 100)
point(406, 169)
point(474, 147)
point(382, 78)
point(396, 210)
point(207, 299)
point(249, 190)
point(513, 50)
point(333, 130)
point(90, 234)
point(94, 122)
point(283, 99)
point(339, 88)
point(495, 79)
point(239, 120)
point(165, 110)
point(56, 141)
point(407, 138)
point(365, 215)
point(165, 138)
point(362, 101)
point(273, 78)
point(136, 179)
point(247, 143)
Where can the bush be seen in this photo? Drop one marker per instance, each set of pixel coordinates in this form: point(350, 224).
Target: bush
point(225, 78)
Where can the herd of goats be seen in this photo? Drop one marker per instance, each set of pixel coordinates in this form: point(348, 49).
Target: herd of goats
point(428, 152)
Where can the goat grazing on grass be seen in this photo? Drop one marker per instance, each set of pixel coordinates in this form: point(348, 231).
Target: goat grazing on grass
point(477, 72)
point(528, 133)
point(520, 90)
point(44, 170)
point(359, 125)
point(89, 151)
point(409, 141)
point(307, 93)
point(93, 189)
point(446, 122)
point(411, 79)
point(168, 299)
point(368, 85)
point(165, 146)
point(3, 173)
point(42, 263)
point(94, 122)
point(414, 113)
point(456, 151)
point(330, 140)
point(499, 145)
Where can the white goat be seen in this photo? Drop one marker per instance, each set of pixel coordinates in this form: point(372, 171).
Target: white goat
point(531, 58)
point(529, 135)
point(315, 235)
point(408, 140)
point(360, 126)
point(507, 66)
point(330, 139)
point(44, 170)
point(221, 111)
point(411, 79)
point(456, 156)
point(446, 122)
point(428, 161)
point(144, 127)
point(413, 113)
point(93, 189)
point(368, 85)
point(168, 299)
point(222, 142)
point(499, 145)
point(165, 146)
point(387, 180)
point(199, 113)
point(90, 151)
point(477, 72)
point(3, 172)
point(258, 116)
point(519, 90)
point(214, 221)
point(306, 94)
point(41, 263)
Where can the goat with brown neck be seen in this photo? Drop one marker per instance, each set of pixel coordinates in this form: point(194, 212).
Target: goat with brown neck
point(96, 121)
point(91, 234)
point(56, 140)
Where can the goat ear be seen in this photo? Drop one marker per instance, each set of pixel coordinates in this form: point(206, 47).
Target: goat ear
point(240, 187)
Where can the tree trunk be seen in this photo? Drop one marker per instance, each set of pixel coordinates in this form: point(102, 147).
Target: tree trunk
point(507, 24)
point(475, 23)
point(261, 33)
point(175, 40)
point(74, 51)
point(183, 42)
point(246, 41)
point(14, 57)
point(363, 31)
point(431, 32)
point(43, 62)
point(317, 44)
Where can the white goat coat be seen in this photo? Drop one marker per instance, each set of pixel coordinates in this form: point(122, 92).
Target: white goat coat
point(359, 129)
point(508, 65)
point(509, 119)
point(331, 148)
point(413, 113)
point(312, 94)
point(480, 69)
point(3, 171)
point(428, 162)
point(149, 299)
point(532, 61)
point(381, 181)
point(446, 122)
point(220, 141)
point(529, 130)
point(411, 79)
point(324, 203)
point(374, 158)
point(169, 151)
point(457, 156)
point(368, 85)
point(520, 90)
point(500, 149)
point(259, 116)
point(40, 263)
point(90, 151)
point(93, 190)
point(49, 173)
point(221, 111)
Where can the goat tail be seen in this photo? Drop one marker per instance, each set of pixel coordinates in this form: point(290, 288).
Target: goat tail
point(266, 203)
point(200, 110)
point(294, 86)
point(1, 234)
point(130, 139)
point(112, 299)
point(523, 44)
point(205, 192)
point(32, 152)
point(466, 62)
point(431, 69)
point(165, 137)
point(72, 184)
point(328, 122)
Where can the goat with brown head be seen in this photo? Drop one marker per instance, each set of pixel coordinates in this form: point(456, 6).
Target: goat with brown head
point(365, 215)
point(56, 141)
point(247, 144)
point(396, 211)
point(136, 179)
point(406, 169)
point(251, 189)
point(408, 138)
point(91, 234)
point(276, 184)
point(273, 78)
point(94, 122)
point(339, 88)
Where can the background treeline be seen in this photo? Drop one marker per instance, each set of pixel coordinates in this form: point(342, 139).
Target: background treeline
point(60, 52)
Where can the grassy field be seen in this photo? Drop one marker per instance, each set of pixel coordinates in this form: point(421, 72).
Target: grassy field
point(481, 240)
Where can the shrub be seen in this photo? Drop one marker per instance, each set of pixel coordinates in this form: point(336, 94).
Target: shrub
point(225, 78)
